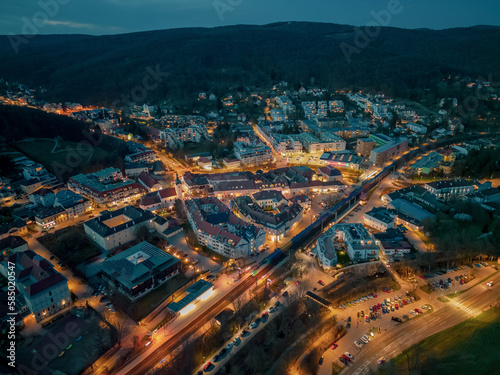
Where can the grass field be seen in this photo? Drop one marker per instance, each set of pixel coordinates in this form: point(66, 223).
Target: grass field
point(470, 347)
point(67, 155)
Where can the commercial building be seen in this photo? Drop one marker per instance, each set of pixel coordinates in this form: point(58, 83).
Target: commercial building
point(48, 217)
point(139, 270)
point(105, 186)
point(330, 173)
point(409, 214)
point(269, 199)
point(45, 290)
point(149, 182)
point(199, 291)
point(220, 230)
point(112, 229)
point(427, 163)
point(342, 160)
point(74, 204)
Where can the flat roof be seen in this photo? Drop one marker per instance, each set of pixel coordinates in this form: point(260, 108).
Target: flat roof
point(194, 292)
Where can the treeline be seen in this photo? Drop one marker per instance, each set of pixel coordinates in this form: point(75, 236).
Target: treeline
point(401, 63)
point(484, 163)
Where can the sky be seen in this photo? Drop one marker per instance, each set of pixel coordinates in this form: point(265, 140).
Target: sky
point(98, 17)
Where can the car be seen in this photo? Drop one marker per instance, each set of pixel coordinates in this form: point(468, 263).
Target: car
point(362, 313)
point(342, 359)
point(396, 319)
point(477, 265)
point(216, 358)
point(271, 309)
point(285, 294)
point(392, 308)
point(265, 314)
point(379, 306)
point(404, 302)
point(418, 311)
point(236, 340)
point(229, 346)
point(374, 295)
point(349, 355)
point(349, 319)
point(346, 358)
point(207, 366)
point(490, 283)
point(244, 332)
point(334, 346)
point(277, 303)
point(365, 340)
point(396, 306)
point(381, 360)
point(321, 282)
point(422, 277)
point(199, 372)
point(484, 264)
point(222, 352)
point(358, 344)
point(321, 361)
point(253, 325)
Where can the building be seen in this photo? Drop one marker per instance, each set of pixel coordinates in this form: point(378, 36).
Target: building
point(135, 169)
point(220, 230)
point(105, 186)
point(251, 154)
point(269, 199)
point(417, 128)
point(426, 164)
point(276, 225)
point(199, 291)
point(43, 197)
point(48, 217)
point(360, 244)
point(12, 244)
point(451, 189)
point(139, 270)
point(30, 186)
point(301, 199)
point(231, 163)
point(330, 173)
point(325, 249)
point(74, 204)
point(149, 182)
point(364, 146)
point(380, 218)
point(113, 229)
point(164, 198)
point(342, 160)
point(486, 195)
point(409, 214)
point(45, 290)
point(17, 227)
point(382, 154)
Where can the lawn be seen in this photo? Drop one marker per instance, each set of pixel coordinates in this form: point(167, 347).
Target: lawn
point(470, 347)
point(70, 245)
point(75, 159)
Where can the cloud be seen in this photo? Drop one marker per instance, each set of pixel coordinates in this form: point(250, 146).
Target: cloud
point(71, 24)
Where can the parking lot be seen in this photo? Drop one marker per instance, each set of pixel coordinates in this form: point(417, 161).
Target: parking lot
point(179, 242)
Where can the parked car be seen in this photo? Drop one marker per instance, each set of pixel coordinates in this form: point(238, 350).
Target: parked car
point(396, 319)
point(321, 282)
point(222, 352)
point(253, 325)
point(381, 360)
point(207, 366)
point(358, 344)
point(349, 355)
point(285, 294)
point(334, 346)
point(321, 361)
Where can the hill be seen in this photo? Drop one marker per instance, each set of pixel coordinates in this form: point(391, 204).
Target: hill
point(99, 69)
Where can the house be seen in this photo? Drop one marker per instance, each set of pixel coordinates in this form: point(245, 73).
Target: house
point(17, 227)
point(135, 169)
point(139, 270)
point(380, 218)
point(45, 290)
point(43, 197)
point(269, 199)
point(30, 186)
point(204, 162)
point(164, 198)
point(12, 244)
point(301, 199)
point(330, 173)
point(231, 163)
point(149, 182)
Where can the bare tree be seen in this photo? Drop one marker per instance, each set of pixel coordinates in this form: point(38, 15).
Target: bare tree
point(121, 327)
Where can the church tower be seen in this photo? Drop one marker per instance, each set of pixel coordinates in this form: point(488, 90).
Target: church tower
point(178, 187)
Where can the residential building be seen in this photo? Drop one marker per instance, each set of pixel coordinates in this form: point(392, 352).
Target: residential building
point(105, 186)
point(364, 146)
point(231, 163)
point(135, 169)
point(17, 227)
point(360, 244)
point(417, 128)
point(325, 249)
point(330, 173)
point(45, 290)
point(380, 155)
point(30, 186)
point(112, 229)
point(164, 198)
point(74, 204)
point(426, 164)
point(380, 218)
point(451, 189)
point(269, 199)
point(48, 217)
point(220, 230)
point(303, 200)
point(11, 245)
point(149, 182)
point(139, 270)
point(251, 154)
point(43, 197)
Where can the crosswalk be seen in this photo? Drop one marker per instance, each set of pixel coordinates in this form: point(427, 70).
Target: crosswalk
point(463, 308)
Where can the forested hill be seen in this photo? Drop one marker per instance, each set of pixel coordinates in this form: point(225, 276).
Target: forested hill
point(91, 69)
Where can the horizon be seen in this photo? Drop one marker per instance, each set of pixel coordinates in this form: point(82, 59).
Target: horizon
point(109, 17)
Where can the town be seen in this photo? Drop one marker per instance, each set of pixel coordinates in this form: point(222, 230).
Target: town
point(289, 230)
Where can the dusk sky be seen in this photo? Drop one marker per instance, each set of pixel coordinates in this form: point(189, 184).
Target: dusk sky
point(122, 16)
